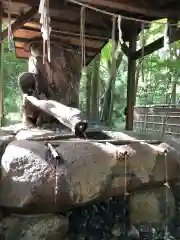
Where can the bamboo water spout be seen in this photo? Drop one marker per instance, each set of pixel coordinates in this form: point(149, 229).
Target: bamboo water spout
point(70, 117)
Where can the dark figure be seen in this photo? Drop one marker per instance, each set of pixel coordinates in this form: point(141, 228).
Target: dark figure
point(28, 84)
point(125, 111)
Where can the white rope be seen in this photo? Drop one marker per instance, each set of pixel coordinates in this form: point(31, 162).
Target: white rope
point(116, 15)
point(126, 193)
point(10, 37)
point(119, 29)
point(167, 187)
point(45, 29)
point(113, 36)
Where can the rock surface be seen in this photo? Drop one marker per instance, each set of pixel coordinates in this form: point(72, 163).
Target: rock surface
point(105, 220)
point(29, 176)
point(42, 227)
point(34, 133)
point(86, 171)
point(153, 206)
point(5, 139)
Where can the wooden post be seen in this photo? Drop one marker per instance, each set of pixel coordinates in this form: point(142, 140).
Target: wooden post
point(88, 92)
point(95, 90)
point(1, 69)
point(131, 85)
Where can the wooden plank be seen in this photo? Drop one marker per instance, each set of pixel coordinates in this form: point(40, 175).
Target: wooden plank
point(93, 44)
point(135, 7)
point(21, 53)
point(20, 22)
point(70, 28)
point(29, 32)
point(158, 115)
point(19, 45)
point(89, 50)
point(34, 3)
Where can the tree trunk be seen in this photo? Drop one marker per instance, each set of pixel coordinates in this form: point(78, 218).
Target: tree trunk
point(173, 96)
point(59, 79)
point(108, 96)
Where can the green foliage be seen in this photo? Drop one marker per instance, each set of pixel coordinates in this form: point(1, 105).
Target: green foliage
point(12, 98)
point(157, 78)
point(156, 74)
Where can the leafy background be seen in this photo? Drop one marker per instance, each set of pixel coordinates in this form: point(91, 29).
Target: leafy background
point(103, 96)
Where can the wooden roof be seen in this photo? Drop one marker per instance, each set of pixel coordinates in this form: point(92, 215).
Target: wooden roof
point(65, 21)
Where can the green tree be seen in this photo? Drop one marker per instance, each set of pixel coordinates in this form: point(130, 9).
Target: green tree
point(12, 67)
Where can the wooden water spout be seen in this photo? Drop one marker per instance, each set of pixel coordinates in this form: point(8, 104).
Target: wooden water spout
point(70, 117)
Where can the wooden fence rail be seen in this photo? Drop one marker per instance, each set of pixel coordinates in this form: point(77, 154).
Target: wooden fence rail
point(163, 119)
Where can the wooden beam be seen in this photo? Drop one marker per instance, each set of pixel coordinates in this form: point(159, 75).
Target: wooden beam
point(13, 16)
point(74, 27)
point(20, 22)
point(67, 32)
point(34, 3)
point(156, 45)
point(131, 85)
point(61, 11)
point(135, 7)
point(65, 44)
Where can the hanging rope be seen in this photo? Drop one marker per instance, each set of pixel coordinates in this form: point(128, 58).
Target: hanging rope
point(166, 184)
point(10, 35)
point(82, 38)
point(116, 15)
point(119, 29)
point(113, 41)
point(126, 194)
point(45, 29)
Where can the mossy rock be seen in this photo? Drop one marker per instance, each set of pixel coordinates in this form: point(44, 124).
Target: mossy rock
point(152, 206)
point(36, 227)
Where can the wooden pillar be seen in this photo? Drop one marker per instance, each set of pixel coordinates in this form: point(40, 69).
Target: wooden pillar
point(88, 92)
point(95, 90)
point(131, 85)
point(1, 70)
